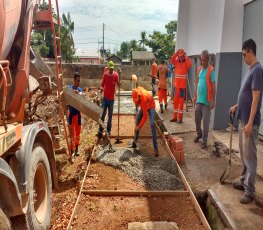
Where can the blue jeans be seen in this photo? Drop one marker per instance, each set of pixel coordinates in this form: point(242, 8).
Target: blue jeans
point(107, 104)
point(138, 120)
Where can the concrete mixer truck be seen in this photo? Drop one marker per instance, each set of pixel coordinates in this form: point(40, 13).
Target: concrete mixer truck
point(27, 161)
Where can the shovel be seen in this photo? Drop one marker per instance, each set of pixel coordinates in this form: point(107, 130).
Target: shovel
point(118, 139)
point(226, 172)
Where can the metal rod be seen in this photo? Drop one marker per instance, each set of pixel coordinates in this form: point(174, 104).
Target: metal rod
point(119, 70)
point(118, 138)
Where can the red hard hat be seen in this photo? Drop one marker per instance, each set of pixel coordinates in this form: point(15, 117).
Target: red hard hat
point(181, 52)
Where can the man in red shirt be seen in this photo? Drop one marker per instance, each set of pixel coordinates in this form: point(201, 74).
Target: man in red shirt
point(109, 81)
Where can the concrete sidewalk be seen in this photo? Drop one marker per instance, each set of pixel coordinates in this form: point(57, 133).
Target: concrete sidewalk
point(224, 199)
point(222, 136)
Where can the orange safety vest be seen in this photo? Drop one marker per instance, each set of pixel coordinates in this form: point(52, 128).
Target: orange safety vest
point(162, 75)
point(209, 83)
point(181, 71)
point(154, 69)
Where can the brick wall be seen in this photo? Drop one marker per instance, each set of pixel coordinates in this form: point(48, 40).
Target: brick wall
point(91, 74)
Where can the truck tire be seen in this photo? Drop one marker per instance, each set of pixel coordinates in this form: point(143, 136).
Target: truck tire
point(4, 221)
point(40, 190)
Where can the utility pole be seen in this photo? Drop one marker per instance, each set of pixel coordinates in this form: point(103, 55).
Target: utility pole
point(103, 41)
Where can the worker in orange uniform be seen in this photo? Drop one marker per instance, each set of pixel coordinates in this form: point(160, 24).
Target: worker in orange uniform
point(182, 65)
point(153, 75)
point(144, 100)
point(162, 75)
point(74, 118)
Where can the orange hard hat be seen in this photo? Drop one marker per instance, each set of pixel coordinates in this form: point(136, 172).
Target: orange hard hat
point(135, 95)
point(181, 52)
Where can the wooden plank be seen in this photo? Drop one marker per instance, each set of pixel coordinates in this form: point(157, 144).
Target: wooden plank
point(187, 186)
point(81, 103)
point(131, 137)
point(134, 193)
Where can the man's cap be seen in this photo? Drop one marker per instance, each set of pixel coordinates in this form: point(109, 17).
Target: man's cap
point(181, 52)
point(111, 65)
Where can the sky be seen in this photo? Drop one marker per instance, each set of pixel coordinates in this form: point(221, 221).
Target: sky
point(123, 20)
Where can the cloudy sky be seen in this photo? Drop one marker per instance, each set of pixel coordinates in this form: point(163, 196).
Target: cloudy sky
point(124, 20)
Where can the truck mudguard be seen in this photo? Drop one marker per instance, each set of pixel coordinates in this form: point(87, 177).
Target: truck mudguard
point(35, 133)
point(9, 195)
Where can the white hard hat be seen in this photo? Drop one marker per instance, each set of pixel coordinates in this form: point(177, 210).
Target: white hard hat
point(134, 78)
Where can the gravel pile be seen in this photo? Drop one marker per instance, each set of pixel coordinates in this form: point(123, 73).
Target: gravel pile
point(155, 174)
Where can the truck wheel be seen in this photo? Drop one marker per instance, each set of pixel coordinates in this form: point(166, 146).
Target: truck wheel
point(4, 221)
point(40, 190)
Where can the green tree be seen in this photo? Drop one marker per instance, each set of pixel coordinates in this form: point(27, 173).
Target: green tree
point(66, 31)
point(124, 50)
point(143, 39)
point(133, 45)
point(163, 44)
point(38, 45)
point(171, 28)
point(67, 41)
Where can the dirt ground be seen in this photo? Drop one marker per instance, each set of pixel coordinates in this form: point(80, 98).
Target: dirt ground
point(95, 212)
point(202, 169)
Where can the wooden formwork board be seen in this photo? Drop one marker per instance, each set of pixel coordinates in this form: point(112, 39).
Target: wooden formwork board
point(131, 137)
point(187, 186)
point(133, 193)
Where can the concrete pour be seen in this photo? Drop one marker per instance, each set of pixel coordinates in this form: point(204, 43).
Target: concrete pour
point(155, 174)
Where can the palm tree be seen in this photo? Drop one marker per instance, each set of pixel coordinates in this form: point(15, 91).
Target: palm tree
point(67, 41)
point(143, 39)
point(133, 45)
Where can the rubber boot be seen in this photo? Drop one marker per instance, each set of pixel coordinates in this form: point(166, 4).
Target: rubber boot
point(132, 145)
point(161, 106)
point(77, 151)
point(156, 152)
point(165, 106)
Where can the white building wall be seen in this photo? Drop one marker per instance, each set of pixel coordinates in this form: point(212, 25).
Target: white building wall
point(210, 24)
point(232, 31)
